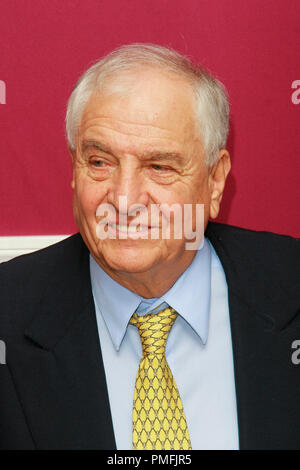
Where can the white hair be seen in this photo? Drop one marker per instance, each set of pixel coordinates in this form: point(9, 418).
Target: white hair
point(211, 102)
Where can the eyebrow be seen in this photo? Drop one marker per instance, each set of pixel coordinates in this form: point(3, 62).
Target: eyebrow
point(159, 156)
point(86, 144)
point(152, 155)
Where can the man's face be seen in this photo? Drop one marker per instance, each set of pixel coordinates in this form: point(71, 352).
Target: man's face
point(143, 145)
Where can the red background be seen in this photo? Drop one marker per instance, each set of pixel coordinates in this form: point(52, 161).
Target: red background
point(253, 46)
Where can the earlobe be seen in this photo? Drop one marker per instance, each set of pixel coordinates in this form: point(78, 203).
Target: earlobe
point(218, 179)
point(214, 208)
point(72, 153)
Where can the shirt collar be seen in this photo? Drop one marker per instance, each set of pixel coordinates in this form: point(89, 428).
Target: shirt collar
point(115, 302)
point(189, 296)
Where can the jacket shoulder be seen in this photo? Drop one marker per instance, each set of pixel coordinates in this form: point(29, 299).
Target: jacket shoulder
point(261, 267)
point(24, 279)
point(221, 229)
point(258, 258)
point(42, 257)
point(250, 241)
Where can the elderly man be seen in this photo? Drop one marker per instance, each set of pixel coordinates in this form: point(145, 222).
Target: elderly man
point(128, 335)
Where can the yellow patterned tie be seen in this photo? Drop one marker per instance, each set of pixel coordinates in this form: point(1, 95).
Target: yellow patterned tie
point(158, 416)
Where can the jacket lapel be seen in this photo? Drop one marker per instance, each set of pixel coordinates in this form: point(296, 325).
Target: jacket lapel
point(58, 369)
point(264, 323)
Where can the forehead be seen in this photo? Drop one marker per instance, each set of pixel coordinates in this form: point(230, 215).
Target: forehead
point(150, 104)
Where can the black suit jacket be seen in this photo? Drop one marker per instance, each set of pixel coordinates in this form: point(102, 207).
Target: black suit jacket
point(53, 392)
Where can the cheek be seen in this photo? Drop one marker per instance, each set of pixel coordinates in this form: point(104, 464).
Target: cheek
point(170, 194)
point(87, 196)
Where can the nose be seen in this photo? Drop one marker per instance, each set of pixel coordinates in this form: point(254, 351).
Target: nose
point(127, 184)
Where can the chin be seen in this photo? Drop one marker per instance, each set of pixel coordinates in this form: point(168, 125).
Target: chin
point(128, 259)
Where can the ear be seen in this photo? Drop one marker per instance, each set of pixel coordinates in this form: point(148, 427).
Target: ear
point(72, 153)
point(217, 179)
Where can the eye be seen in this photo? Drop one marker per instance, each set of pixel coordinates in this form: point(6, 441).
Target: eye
point(160, 168)
point(98, 163)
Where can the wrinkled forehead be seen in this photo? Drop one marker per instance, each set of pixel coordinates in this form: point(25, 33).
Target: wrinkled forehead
point(146, 97)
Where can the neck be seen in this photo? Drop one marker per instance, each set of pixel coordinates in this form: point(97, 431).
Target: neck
point(151, 283)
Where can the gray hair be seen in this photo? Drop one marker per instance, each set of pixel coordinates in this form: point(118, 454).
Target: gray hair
point(211, 102)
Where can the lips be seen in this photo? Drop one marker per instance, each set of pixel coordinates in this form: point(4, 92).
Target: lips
point(131, 228)
point(132, 231)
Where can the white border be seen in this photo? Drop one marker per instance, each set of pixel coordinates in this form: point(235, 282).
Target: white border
point(16, 246)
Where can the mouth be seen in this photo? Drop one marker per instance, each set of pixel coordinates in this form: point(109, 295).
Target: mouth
point(133, 231)
point(131, 228)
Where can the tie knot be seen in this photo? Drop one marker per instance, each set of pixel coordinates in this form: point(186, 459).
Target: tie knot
point(154, 330)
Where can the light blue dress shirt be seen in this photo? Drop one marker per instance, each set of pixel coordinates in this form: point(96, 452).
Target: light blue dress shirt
point(198, 351)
